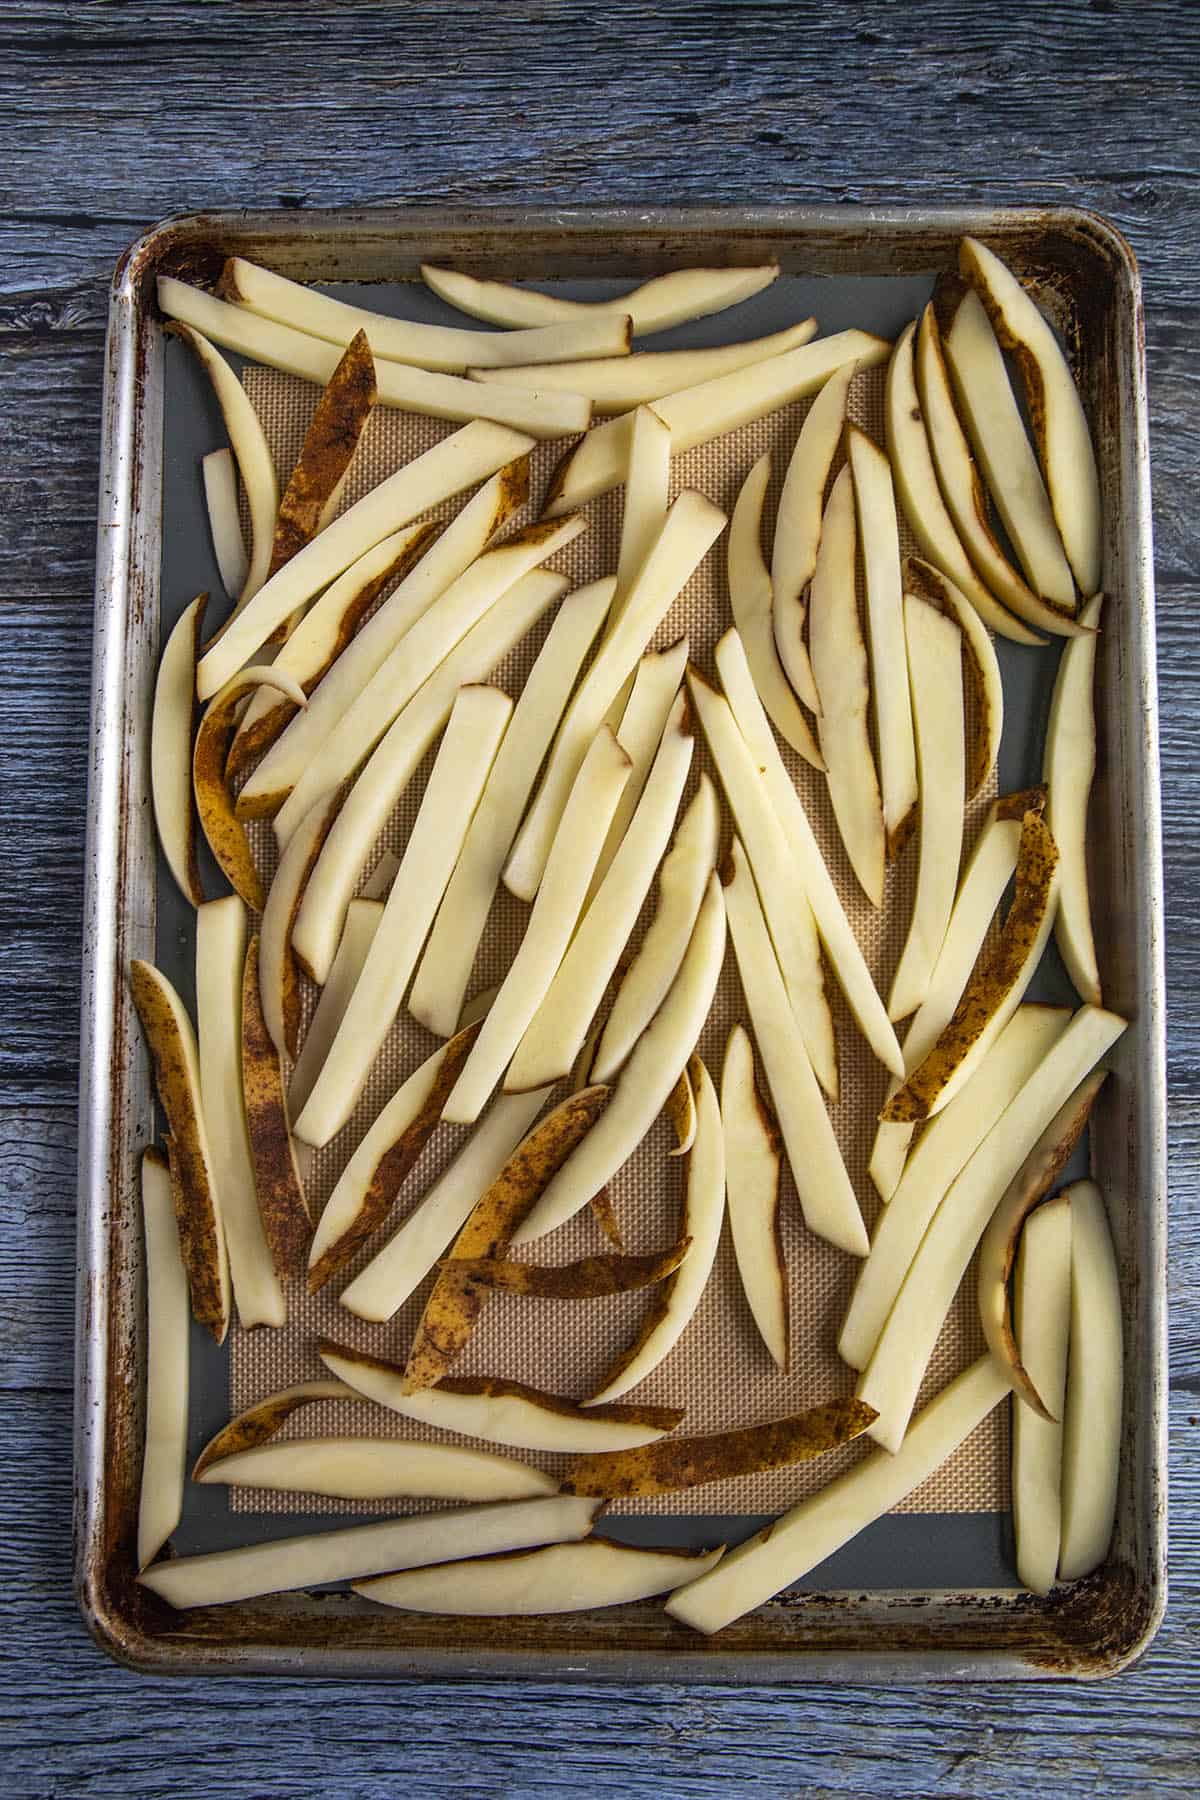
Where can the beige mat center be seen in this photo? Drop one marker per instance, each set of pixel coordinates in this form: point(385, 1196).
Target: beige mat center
point(720, 1369)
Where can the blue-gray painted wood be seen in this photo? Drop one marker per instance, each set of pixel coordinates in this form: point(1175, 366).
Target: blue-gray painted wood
point(116, 115)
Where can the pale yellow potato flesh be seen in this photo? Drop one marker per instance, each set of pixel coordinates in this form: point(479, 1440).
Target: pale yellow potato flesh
point(1091, 1465)
point(645, 500)
point(362, 922)
point(1068, 766)
point(279, 975)
point(981, 668)
point(362, 1468)
point(219, 473)
point(215, 806)
point(1042, 1315)
point(639, 732)
point(798, 527)
point(164, 1449)
point(259, 1423)
point(560, 1578)
point(171, 725)
point(752, 1164)
point(656, 305)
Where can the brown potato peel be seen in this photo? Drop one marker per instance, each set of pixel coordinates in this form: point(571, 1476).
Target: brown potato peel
point(259, 1423)
point(591, 1278)
point(214, 802)
point(281, 1199)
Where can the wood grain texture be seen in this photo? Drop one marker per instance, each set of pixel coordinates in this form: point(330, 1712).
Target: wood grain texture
point(115, 116)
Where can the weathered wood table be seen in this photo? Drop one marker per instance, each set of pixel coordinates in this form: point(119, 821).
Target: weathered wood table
point(115, 115)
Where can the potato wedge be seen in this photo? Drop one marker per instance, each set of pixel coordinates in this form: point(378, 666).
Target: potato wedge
point(1068, 768)
point(171, 727)
point(329, 444)
point(644, 501)
point(651, 703)
point(218, 471)
point(282, 1204)
point(380, 1469)
point(752, 1162)
point(1042, 1311)
point(656, 305)
point(259, 1423)
point(981, 667)
point(590, 1278)
point(279, 971)
point(1091, 1465)
point(171, 1040)
point(559, 1578)
point(798, 527)
point(164, 1451)
point(362, 922)
point(214, 801)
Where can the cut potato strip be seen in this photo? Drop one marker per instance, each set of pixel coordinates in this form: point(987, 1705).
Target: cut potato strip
point(379, 881)
point(457, 462)
point(879, 535)
point(590, 1278)
point(674, 1304)
point(558, 1579)
point(279, 972)
point(248, 442)
point(220, 962)
point(555, 1035)
point(791, 1547)
point(681, 884)
point(374, 1175)
point(841, 945)
point(260, 1422)
point(651, 702)
point(935, 669)
point(219, 473)
point(921, 497)
point(992, 417)
point(981, 667)
point(284, 1564)
point(826, 1195)
point(555, 916)
point(171, 727)
point(1068, 768)
point(172, 1043)
point(214, 802)
point(503, 1412)
point(362, 922)
point(647, 1078)
point(654, 306)
point(645, 499)
point(366, 1468)
point(282, 1204)
point(752, 1165)
point(696, 415)
point(164, 1451)
point(751, 599)
point(1091, 1464)
point(798, 526)
point(445, 971)
point(615, 385)
point(368, 806)
point(447, 349)
point(690, 528)
point(325, 745)
point(456, 781)
point(687, 1462)
point(1060, 425)
point(398, 1269)
point(893, 1376)
point(940, 1155)
point(785, 903)
point(997, 985)
point(1042, 1311)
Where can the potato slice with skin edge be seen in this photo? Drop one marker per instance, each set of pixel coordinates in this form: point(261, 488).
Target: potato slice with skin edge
point(996, 987)
point(260, 1422)
point(283, 1564)
point(380, 1469)
point(680, 1110)
point(218, 471)
point(1091, 1463)
point(921, 497)
point(998, 1248)
point(656, 305)
point(677, 1463)
point(400, 384)
point(615, 386)
point(555, 1035)
point(171, 726)
point(279, 972)
point(555, 916)
point(1060, 427)
point(1042, 1302)
point(676, 1299)
point(798, 527)
point(558, 1579)
point(362, 922)
point(454, 1306)
point(456, 781)
point(841, 945)
point(784, 901)
point(691, 527)
point(940, 1155)
point(590, 1278)
point(171, 1038)
point(214, 802)
point(879, 536)
point(696, 415)
point(446, 349)
point(990, 413)
point(901, 1355)
point(751, 599)
point(282, 1204)
point(503, 1412)
point(839, 664)
point(752, 1162)
point(164, 1452)
point(1068, 768)
point(980, 663)
point(449, 956)
point(963, 490)
point(395, 759)
point(644, 720)
point(827, 1198)
point(790, 1547)
point(935, 670)
point(647, 981)
point(647, 1078)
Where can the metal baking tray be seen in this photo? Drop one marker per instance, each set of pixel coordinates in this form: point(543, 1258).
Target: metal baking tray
point(921, 1596)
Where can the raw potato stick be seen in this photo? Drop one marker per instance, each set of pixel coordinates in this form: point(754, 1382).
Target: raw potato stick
point(260, 1422)
point(1042, 1313)
point(1068, 768)
point(366, 1468)
point(651, 702)
point(279, 971)
point(282, 1205)
point(645, 500)
point(171, 727)
point(219, 472)
point(654, 306)
point(214, 802)
point(362, 922)
point(160, 1502)
point(560, 1578)
point(981, 667)
point(1092, 1418)
point(752, 1164)
point(325, 455)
